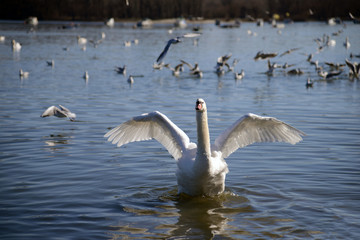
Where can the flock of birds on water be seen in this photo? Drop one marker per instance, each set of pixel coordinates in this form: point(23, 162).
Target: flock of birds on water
point(201, 166)
point(222, 64)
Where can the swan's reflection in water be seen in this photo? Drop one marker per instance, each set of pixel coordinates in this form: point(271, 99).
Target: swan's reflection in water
point(227, 216)
point(188, 217)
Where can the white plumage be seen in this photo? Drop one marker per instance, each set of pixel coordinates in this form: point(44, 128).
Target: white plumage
point(61, 112)
point(201, 167)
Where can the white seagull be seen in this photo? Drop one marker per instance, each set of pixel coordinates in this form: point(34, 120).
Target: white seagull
point(201, 167)
point(61, 113)
point(174, 41)
point(239, 76)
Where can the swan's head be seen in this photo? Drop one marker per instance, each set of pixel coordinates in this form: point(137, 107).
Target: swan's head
point(200, 105)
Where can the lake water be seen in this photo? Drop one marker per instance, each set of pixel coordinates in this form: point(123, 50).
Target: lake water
point(62, 180)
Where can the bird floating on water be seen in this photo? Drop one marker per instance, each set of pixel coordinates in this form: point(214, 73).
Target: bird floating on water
point(309, 83)
point(86, 76)
point(347, 43)
point(59, 112)
point(16, 46)
point(174, 41)
point(23, 74)
point(51, 63)
point(81, 40)
point(130, 80)
point(201, 167)
point(121, 70)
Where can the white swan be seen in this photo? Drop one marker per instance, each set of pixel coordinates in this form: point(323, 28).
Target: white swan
point(15, 46)
point(201, 167)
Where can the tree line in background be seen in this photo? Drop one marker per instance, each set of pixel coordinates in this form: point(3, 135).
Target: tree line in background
point(99, 10)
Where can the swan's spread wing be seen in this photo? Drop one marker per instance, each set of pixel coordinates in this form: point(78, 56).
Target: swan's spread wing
point(252, 128)
point(151, 125)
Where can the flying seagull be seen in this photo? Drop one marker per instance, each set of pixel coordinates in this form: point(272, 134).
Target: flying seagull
point(201, 167)
point(59, 112)
point(174, 41)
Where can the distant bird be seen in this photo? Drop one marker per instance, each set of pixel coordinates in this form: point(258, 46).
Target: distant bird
point(2, 39)
point(335, 66)
point(286, 65)
point(191, 67)
point(309, 58)
point(194, 70)
point(197, 73)
point(86, 76)
point(110, 22)
point(127, 43)
point(239, 76)
point(271, 67)
point(51, 63)
point(309, 83)
point(23, 74)
point(81, 40)
point(232, 67)
point(296, 71)
point(288, 51)
point(355, 19)
point(97, 42)
point(330, 42)
point(327, 75)
point(354, 68)
point(121, 70)
point(135, 41)
point(159, 66)
point(60, 113)
point(262, 56)
point(201, 166)
point(221, 63)
point(177, 70)
point(16, 46)
point(347, 43)
point(130, 80)
point(174, 41)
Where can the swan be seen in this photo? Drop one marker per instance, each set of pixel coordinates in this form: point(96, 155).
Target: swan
point(81, 40)
point(16, 46)
point(201, 167)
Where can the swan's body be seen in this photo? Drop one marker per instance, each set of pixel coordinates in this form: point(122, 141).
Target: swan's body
point(81, 40)
point(201, 167)
point(61, 112)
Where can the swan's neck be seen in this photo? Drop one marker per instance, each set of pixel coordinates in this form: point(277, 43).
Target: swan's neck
point(203, 143)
